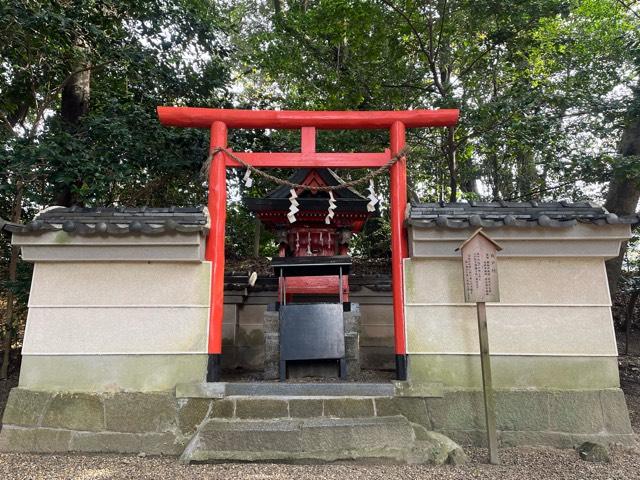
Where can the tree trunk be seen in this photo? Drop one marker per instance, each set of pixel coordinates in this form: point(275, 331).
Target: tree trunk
point(452, 164)
point(495, 174)
point(74, 104)
point(75, 96)
point(256, 238)
point(13, 269)
point(633, 299)
point(623, 196)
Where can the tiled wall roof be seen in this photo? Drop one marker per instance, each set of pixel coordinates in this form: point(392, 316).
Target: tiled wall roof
point(115, 221)
point(512, 214)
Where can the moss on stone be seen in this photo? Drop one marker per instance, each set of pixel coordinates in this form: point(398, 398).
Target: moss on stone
point(413, 409)
point(191, 414)
point(140, 412)
point(115, 442)
point(224, 408)
point(614, 410)
point(456, 411)
point(575, 412)
point(305, 408)
point(348, 407)
point(261, 408)
point(524, 410)
point(75, 411)
point(25, 407)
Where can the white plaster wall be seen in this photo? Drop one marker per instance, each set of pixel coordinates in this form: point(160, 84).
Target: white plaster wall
point(120, 284)
point(100, 330)
point(80, 308)
point(531, 330)
point(60, 246)
point(582, 240)
point(557, 307)
point(523, 281)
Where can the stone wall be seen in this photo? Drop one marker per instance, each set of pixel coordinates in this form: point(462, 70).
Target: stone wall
point(160, 423)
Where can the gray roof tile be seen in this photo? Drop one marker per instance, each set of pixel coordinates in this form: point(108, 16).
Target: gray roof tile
point(115, 221)
point(513, 214)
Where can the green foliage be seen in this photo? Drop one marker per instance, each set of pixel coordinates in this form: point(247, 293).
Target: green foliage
point(140, 55)
point(542, 85)
point(544, 88)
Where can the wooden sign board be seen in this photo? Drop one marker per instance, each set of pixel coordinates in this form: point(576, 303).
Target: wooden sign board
point(480, 275)
point(480, 268)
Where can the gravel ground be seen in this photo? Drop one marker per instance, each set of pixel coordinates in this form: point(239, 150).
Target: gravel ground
point(520, 464)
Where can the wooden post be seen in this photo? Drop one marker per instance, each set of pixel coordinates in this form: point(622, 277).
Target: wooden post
point(398, 193)
point(480, 275)
point(487, 387)
point(214, 251)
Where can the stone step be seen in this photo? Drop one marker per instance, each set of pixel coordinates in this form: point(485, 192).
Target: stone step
point(391, 438)
point(264, 389)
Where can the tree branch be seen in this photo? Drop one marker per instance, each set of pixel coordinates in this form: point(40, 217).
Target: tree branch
point(410, 24)
point(421, 46)
point(442, 18)
point(628, 7)
point(489, 49)
point(428, 88)
point(540, 190)
point(7, 124)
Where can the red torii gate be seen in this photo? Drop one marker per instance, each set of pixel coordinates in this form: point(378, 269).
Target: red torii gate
point(219, 120)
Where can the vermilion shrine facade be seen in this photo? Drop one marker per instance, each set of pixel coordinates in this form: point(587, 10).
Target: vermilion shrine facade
point(219, 121)
point(310, 231)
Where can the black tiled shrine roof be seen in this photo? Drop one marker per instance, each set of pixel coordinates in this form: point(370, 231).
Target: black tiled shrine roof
point(329, 177)
point(347, 199)
point(115, 221)
point(512, 214)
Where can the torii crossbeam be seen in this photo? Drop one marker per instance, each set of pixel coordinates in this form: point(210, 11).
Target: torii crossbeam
point(220, 120)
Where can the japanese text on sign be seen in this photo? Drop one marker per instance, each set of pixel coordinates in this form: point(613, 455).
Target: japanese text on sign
point(480, 271)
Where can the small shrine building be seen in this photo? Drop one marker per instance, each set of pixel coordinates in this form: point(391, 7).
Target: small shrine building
point(122, 352)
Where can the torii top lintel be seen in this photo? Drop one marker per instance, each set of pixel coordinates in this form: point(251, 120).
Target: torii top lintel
point(292, 119)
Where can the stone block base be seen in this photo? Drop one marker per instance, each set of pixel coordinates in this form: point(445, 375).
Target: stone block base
point(271, 323)
point(160, 423)
point(558, 418)
point(48, 422)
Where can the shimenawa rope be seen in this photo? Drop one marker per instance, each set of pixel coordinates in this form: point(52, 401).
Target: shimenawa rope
point(352, 183)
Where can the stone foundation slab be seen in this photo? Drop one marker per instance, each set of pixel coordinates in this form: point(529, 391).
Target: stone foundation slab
point(161, 423)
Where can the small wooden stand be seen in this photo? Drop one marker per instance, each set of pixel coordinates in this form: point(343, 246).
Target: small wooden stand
point(480, 273)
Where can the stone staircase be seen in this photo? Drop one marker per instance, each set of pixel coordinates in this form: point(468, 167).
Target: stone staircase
point(314, 429)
